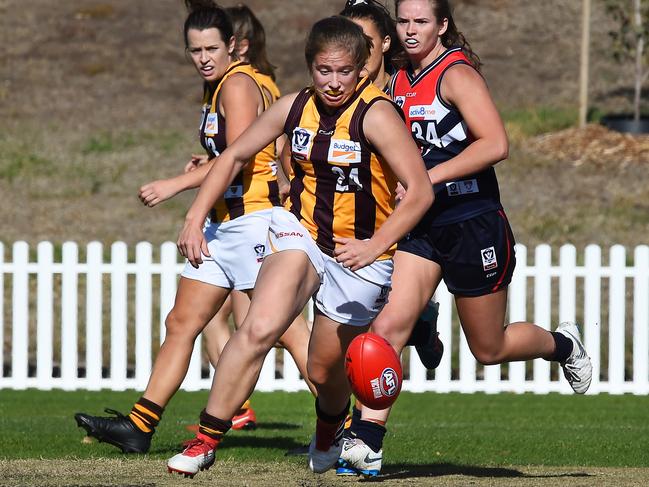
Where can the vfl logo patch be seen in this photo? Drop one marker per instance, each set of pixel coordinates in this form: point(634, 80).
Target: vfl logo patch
point(344, 151)
point(260, 249)
point(400, 101)
point(212, 124)
point(458, 188)
point(489, 260)
point(301, 142)
point(386, 385)
point(234, 192)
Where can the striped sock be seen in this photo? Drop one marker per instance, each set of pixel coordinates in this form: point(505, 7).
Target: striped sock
point(212, 427)
point(146, 415)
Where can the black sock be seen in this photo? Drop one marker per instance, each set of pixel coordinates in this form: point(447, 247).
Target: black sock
point(563, 347)
point(328, 418)
point(371, 433)
point(212, 426)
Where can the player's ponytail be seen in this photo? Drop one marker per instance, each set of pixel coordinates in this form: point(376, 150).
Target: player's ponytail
point(247, 26)
point(372, 10)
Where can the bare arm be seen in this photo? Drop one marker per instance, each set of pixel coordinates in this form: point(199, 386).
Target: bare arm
point(155, 192)
point(466, 89)
point(386, 131)
point(263, 130)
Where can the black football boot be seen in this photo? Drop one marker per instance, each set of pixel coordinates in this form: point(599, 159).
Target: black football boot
point(119, 431)
point(426, 339)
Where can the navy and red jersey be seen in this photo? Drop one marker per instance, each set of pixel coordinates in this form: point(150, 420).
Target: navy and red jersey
point(441, 133)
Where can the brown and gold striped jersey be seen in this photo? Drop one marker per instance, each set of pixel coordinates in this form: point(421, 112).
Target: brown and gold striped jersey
point(341, 187)
point(255, 187)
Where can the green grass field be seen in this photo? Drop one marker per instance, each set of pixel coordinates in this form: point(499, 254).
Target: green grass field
point(478, 429)
point(444, 439)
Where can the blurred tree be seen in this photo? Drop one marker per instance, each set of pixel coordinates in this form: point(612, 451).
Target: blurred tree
point(630, 39)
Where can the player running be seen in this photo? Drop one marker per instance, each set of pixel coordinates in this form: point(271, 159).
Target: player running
point(235, 231)
point(349, 146)
point(465, 237)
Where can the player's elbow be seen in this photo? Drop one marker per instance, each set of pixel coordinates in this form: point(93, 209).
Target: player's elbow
point(501, 148)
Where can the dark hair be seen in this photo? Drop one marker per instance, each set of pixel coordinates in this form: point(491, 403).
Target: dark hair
point(247, 26)
point(395, 57)
point(341, 32)
point(452, 37)
point(204, 14)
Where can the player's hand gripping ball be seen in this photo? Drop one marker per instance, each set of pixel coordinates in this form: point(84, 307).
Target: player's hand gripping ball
point(374, 370)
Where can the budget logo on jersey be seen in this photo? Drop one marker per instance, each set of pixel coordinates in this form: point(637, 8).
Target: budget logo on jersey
point(489, 260)
point(212, 124)
point(344, 151)
point(400, 101)
point(301, 142)
point(425, 112)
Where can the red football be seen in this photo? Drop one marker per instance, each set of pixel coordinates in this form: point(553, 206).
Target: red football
point(374, 370)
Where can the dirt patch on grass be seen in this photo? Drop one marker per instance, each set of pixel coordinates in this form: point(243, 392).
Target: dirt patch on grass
point(148, 472)
point(594, 145)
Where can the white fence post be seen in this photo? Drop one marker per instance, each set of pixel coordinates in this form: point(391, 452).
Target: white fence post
point(616, 319)
point(168, 282)
point(143, 302)
point(94, 316)
point(20, 298)
point(518, 312)
point(567, 295)
point(69, 316)
point(592, 311)
point(118, 317)
point(542, 310)
point(443, 372)
point(44, 315)
point(641, 320)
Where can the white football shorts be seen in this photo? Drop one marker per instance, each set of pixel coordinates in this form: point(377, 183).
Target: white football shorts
point(237, 250)
point(349, 298)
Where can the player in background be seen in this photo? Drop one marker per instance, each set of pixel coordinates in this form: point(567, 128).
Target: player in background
point(236, 229)
point(465, 237)
point(251, 48)
point(349, 146)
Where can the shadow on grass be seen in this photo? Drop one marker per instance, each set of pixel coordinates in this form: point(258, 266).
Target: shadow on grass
point(278, 426)
point(408, 471)
point(239, 441)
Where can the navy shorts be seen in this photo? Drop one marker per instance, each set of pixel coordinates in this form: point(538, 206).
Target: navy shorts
point(476, 255)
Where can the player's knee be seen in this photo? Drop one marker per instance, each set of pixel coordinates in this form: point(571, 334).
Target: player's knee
point(319, 375)
point(257, 335)
point(488, 355)
point(393, 330)
point(179, 325)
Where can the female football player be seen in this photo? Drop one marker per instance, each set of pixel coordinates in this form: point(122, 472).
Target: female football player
point(465, 237)
point(236, 228)
point(349, 146)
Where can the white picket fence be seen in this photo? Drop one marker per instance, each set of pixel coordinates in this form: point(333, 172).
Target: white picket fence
point(43, 304)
